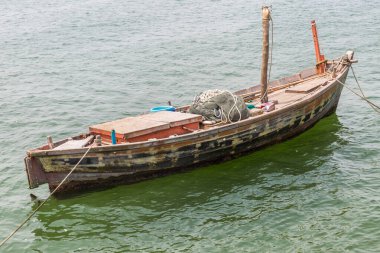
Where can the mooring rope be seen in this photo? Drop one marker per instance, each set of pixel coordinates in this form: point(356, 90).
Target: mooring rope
point(375, 107)
point(360, 88)
point(51, 194)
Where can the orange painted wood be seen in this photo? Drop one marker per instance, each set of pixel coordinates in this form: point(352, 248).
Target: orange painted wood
point(177, 130)
point(148, 126)
point(320, 58)
point(173, 118)
point(133, 126)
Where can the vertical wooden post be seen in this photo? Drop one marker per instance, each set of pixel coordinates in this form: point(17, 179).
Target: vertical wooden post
point(320, 58)
point(98, 140)
point(265, 55)
point(50, 142)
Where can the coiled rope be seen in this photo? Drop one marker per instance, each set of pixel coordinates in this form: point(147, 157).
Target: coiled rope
point(51, 194)
point(224, 116)
point(228, 119)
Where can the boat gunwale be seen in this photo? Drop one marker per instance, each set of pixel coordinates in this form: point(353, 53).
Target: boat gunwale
point(194, 135)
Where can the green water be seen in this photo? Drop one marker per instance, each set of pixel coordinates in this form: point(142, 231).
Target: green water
point(65, 65)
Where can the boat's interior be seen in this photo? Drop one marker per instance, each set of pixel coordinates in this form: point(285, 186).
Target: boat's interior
point(167, 124)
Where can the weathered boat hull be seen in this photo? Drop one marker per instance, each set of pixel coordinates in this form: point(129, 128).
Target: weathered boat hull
point(111, 165)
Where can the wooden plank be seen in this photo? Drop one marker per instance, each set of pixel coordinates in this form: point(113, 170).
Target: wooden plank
point(70, 144)
point(308, 73)
point(253, 95)
point(130, 127)
point(173, 118)
point(306, 87)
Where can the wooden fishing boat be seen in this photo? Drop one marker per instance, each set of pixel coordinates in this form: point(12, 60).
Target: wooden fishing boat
point(156, 144)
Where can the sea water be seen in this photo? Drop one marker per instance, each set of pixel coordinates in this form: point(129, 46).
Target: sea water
point(65, 65)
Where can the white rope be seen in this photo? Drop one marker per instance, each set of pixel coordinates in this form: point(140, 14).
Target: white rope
point(234, 106)
point(374, 106)
point(222, 113)
point(219, 113)
point(360, 88)
point(51, 194)
point(206, 95)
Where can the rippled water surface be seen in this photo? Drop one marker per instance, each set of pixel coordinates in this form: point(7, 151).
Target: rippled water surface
point(65, 65)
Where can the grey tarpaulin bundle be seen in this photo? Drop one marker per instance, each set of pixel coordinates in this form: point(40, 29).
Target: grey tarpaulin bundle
point(219, 105)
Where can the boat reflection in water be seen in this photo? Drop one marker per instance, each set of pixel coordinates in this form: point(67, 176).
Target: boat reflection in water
point(249, 188)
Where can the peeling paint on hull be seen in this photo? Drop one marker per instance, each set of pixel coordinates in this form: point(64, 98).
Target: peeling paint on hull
point(121, 164)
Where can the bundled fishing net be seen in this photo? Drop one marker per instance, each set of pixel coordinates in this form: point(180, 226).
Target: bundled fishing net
point(219, 105)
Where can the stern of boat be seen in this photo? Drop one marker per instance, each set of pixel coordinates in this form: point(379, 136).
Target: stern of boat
point(34, 171)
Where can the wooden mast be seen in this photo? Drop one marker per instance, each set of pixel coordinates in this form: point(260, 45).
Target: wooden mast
point(265, 55)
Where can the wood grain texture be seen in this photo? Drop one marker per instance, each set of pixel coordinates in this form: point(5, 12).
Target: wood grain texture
point(132, 162)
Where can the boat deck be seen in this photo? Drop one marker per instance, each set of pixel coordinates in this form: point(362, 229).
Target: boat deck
point(156, 125)
point(292, 94)
point(165, 124)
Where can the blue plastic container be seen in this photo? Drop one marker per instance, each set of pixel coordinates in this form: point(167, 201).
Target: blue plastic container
point(163, 108)
point(113, 137)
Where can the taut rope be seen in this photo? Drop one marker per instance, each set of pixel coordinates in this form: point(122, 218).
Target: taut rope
point(51, 194)
point(375, 107)
point(361, 91)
